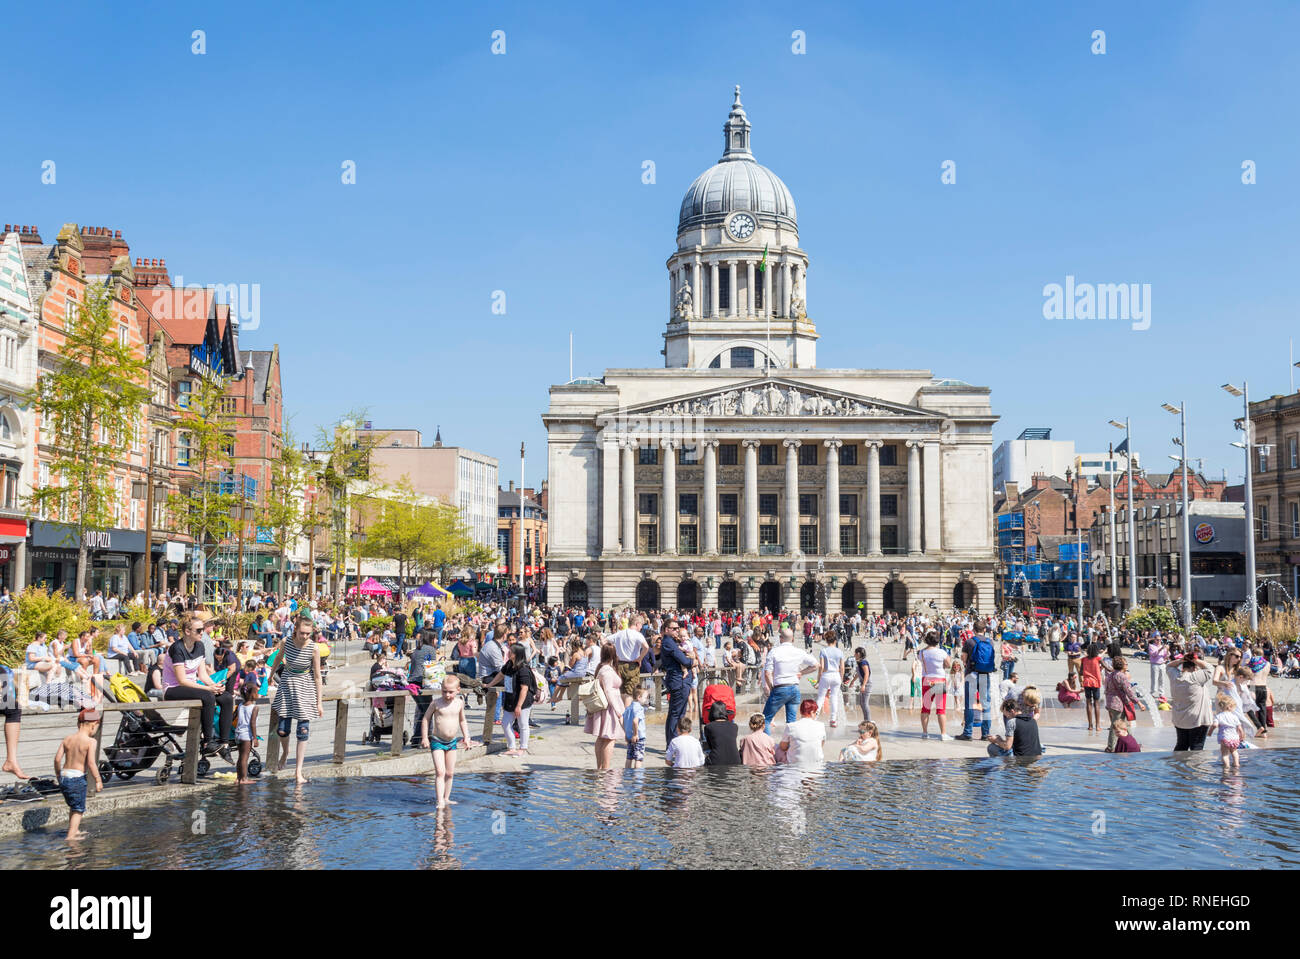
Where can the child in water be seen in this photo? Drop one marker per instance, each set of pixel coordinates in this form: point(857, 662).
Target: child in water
point(867, 748)
point(449, 728)
point(1231, 730)
point(245, 726)
point(75, 755)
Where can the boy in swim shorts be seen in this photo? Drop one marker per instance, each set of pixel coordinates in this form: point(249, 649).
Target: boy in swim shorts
point(450, 729)
point(75, 755)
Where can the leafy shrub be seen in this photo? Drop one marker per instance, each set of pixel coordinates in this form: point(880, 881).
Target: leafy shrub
point(1208, 628)
point(1143, 618)
point(39, 611)
point(12, 645)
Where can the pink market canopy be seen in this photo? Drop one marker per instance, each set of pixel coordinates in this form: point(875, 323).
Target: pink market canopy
point(371, 587)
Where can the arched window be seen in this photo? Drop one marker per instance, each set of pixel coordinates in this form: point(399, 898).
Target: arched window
point(647, 595)
point(6, 429)
point(894, 598)
point(575, 593)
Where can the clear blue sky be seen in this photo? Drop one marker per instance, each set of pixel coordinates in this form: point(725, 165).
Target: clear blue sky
point(522, 173)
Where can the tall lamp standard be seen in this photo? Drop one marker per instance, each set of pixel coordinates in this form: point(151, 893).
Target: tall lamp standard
point(1181, 413)
point(359, 539)
point(1114, 559)
point(1247, 427)
point(1132, 534)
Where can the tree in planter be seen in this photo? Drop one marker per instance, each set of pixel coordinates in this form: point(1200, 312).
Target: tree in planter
point(208, 495)
point(285, 512)
point(89, 404)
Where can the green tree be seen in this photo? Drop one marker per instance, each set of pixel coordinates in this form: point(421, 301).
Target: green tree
point(89, 406)
point(208, 496)
point(284, 511)
point(401, 528)
point(454, 545)
point(343, 457)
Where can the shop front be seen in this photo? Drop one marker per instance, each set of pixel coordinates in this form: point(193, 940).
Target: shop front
point(13, 536)
point(113, 556)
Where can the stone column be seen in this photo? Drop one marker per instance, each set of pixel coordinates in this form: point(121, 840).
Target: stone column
point(750, 546)
point(767, 292)
point(913, 497)
point(930, 498)
point(790, 539)
point(672, 292)
point(608, 495)
point(697, 292)
point(788, 288)
point(21, 567)
point(709, 508)
point(873, 498)
point(628, 479)
point(831, 539)
point(749, 288)
point(668, 497)
point(733, 308)
point(713, 289)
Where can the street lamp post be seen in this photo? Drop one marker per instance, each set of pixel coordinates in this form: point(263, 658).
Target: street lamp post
point(1247, 426)
point(1132, 537)
point(1114, 559)
point(522, 594)
point(359, 537)
point(1181, 412)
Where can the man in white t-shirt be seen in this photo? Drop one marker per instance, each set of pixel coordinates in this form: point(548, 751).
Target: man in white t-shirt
point(630, 647)
point(782, 669)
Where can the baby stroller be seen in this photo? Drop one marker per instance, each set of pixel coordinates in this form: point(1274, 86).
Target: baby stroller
point(381, 708)
point(143, 737)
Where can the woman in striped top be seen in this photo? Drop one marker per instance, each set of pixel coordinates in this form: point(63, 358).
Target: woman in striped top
point(298, 696)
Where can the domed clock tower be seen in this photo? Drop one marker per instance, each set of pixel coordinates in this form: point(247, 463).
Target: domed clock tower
point(737, 298)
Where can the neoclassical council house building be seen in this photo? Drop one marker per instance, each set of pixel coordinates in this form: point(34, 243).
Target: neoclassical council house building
point(740, 475)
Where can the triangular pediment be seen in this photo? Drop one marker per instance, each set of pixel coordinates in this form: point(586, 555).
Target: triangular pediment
point(774, 396)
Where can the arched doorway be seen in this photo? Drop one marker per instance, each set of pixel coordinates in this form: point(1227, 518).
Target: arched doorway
point(575, 593)
point(852, 594)
point(688, 594)
point(894, 598)
point(812, 598)
point(769, 597)
point(647, 595)
point(963, 595)
point(728, 596)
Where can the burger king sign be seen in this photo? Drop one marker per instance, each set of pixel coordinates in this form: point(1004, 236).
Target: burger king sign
point(1204, 533)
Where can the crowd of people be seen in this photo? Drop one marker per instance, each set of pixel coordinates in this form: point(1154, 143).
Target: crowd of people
point(515, 657)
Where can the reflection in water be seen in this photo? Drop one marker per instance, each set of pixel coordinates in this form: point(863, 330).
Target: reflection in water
point(1159, 810)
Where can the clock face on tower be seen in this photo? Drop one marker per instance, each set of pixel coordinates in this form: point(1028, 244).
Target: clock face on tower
point(741, 226)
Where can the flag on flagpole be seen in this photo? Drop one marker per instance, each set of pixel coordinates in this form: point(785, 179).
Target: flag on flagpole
point(762, 264)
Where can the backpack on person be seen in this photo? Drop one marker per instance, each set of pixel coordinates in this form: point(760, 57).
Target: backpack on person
point(982, 655)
